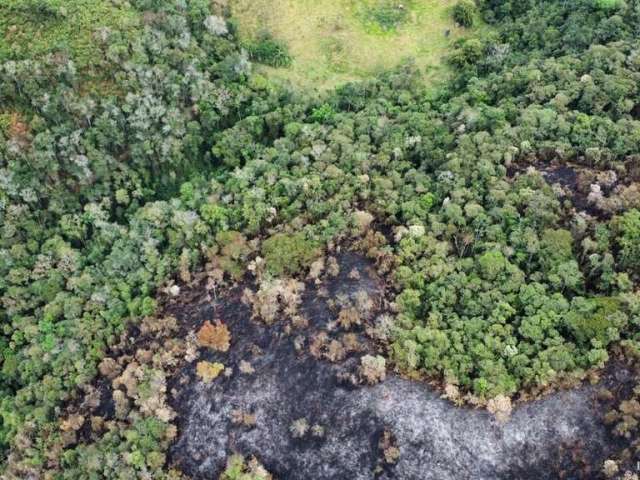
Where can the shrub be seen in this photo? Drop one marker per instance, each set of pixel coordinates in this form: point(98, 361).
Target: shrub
point(323, 114)
point(607, 4)
point(387, 15)
point(467, 52)
point(239, 469)
point(464, 12)
point(268, 50)
point(627, 228)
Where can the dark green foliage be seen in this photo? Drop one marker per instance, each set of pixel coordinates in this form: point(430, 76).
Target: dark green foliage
point(40, 10)
point(464, 13)
point(268, 50)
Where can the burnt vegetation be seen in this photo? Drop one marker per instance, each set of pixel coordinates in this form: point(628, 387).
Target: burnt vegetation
point(174, 223)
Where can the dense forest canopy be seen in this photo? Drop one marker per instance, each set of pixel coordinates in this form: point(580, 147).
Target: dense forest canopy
point(130, 162)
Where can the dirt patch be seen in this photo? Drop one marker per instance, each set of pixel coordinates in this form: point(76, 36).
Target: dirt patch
point(303, 418)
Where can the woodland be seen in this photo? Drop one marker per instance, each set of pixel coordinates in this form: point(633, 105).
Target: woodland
point(147, 147)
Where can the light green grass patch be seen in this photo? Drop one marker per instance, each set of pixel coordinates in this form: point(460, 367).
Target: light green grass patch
point(384, 16)
point(31, 28)
point(333, 41)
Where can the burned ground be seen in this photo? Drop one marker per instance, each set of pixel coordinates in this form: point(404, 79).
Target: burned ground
point(308, 421)
point(591, 191)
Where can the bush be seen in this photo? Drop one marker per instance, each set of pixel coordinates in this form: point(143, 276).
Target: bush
point(607, 4)
point(286, 254)
point(467, 52)
point(267, 50)
point(628, 239)
point(240, 469)
point(39, 9)
point(464, 12)
point(323, 114)
point(387, 15)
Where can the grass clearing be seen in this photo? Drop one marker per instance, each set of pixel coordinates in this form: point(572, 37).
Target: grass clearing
point(333, 41)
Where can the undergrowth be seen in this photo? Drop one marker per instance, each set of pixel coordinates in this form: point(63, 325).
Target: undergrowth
point(267, 50)
point(74, 28)
point(384, 16)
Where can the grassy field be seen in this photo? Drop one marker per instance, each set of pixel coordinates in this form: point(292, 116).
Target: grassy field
point(332, 41)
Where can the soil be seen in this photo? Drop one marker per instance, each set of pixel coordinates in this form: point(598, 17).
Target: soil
point(560, 436)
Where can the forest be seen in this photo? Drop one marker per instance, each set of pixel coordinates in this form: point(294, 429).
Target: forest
point(148, 152)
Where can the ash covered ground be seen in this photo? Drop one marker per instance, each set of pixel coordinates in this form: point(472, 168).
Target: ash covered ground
point(352, 428)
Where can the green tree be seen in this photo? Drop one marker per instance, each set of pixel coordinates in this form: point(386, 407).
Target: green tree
point(464, 13)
